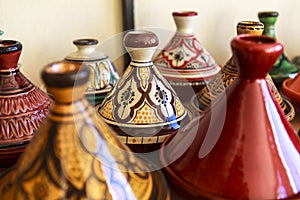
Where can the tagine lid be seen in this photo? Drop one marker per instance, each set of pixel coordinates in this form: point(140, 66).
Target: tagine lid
point(142, 98)
point(184, 58)
point(76, 155)
point(291, 88)
point(86, 51)
point(23, 105)
point(213, 156)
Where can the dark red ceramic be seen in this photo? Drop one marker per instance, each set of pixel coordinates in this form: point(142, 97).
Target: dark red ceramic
point(23, 106)
point(242, 147)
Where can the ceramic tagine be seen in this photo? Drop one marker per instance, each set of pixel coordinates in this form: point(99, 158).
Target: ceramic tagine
point(185, 62)
point(103, 72)
point(23, 106)
point(229, 72)
point(76, 155)
point(283, 68)
point(242, 147)
point(142, 107)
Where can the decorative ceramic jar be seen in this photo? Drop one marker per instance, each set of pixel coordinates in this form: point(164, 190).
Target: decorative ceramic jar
point(185, 62)
point(76, 155)
point(142, 107)
point(23, 106)
point(283, 68)
point(229, 72)
point(103, 72)
point(242, 147)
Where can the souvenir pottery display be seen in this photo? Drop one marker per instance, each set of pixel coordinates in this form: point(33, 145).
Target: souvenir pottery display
point(185, 62)
point(283, 68)
point(142, 107)
point(23, 106)
point(229, 72)
point(242, 147)
point(75, 154)
point(103, 72)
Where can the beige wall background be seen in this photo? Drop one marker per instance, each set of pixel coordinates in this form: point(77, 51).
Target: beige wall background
point(47, 28)
point(217, 19)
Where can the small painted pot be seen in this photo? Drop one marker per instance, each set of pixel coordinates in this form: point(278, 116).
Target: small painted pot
point(142, 107)
point(185, 62)
point(103, 72)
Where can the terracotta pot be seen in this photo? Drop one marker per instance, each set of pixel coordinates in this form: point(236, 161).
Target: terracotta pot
point(75, 154)
point(185, 62)
point(103, 72)
point(229, 72)
point(142, 107)
point(23, 106)
point(242, 147)
point(291, 89)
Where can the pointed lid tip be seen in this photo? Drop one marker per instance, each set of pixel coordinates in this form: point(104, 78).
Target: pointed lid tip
point(9, 46)
point(140, 39)
point(263, 14)
point(65, 74)
point(247, 49)
point(85, 41)
point(185, 13)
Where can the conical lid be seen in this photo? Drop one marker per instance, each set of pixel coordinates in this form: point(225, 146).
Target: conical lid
point(142, 104)
point(23, 106)
point(283, 68)
point(185, 61)
point(229, 72)
point(242, 147)
point(103, 72)
point(75, 155)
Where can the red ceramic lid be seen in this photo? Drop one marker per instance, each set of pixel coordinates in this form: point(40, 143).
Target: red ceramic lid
point(291, 88)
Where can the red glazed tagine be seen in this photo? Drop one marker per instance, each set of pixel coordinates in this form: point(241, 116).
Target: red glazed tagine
point(185, 62)
point(242, 147)
point(23, 106)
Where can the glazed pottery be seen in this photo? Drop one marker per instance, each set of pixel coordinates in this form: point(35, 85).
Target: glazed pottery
point(103, 72)
point(242, 147)
point(291, 89)
point(283, 68)
point(185, 62)
point(142, 107)
point(229, 72)
point(23, 106)
point(75, 154)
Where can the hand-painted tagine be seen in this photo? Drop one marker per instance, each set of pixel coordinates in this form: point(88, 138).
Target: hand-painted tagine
point(242, 147)
point(185, 62)
point(142, 107)
point(283, 68)
point(75, 155)
point(103, 72)
point(229, 72)
point(23, 106)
